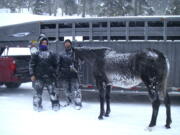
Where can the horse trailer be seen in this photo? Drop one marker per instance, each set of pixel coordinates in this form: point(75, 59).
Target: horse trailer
point(122, 34)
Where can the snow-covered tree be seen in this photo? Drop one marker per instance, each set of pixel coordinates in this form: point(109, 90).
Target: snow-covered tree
point(88, 7)
point(69, 7)
point(142, 7)
point(174, 9)
point(2, 4)
point(115, 7)
point(12, 5)
point(40, 7)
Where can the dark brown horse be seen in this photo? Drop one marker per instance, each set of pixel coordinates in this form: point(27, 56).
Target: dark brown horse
point(127, 70)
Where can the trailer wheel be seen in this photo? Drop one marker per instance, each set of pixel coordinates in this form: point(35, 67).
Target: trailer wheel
point(12, 85)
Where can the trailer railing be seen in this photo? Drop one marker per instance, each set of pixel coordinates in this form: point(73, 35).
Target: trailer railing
point(114, 29)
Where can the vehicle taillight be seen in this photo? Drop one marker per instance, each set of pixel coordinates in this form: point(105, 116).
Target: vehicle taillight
point(90, 86)
point(13, 66)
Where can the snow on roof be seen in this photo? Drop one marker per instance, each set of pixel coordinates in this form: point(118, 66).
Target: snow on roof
point(16, 51)
point(16, 18)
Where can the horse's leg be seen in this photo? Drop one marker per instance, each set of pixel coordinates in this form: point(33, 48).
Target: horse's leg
point(168, 111)
point(99, 85)
point(108, 109)
point(154, 98)
point(155, 107)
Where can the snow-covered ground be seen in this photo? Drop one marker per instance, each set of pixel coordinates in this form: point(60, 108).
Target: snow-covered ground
point(130, 116)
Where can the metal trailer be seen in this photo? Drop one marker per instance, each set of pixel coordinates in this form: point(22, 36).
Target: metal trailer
point(123, 34)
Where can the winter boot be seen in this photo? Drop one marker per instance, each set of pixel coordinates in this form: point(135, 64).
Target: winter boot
point(78, 107)
point(55, 105)
point(37, 108)
point(37, 103)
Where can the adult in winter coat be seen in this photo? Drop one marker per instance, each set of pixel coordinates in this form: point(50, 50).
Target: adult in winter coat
point(42, 68)
point(68, 75)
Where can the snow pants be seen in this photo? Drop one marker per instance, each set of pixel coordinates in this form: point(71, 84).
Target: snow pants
point(72, 91)
point(38, 86)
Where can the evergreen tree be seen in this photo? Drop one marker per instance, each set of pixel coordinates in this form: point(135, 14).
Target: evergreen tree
point(142, 7)
point(114, 7)
point(173, 8)
point(88, 7)
point(69, 7)
point(11, 5)
point(2, 4)
point(39, 7)
point(52, 7)
point(176, 9)
point(29, 4)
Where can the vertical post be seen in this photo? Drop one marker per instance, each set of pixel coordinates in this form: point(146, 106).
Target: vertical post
point(146, 31)
point(100, 28)
point(127, 31)
point(57, 32)
point(73, 31)
point(39, 31)
point(165, 30)
point(108, 31)
point(90, 31)
point(57, 36)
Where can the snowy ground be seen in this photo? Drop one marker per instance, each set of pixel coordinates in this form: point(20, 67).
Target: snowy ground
point(130, 116)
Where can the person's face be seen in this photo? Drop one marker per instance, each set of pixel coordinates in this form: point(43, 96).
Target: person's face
point(44, 42)
point(67, 45)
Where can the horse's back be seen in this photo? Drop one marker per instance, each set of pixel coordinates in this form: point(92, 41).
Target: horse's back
point(118, 67)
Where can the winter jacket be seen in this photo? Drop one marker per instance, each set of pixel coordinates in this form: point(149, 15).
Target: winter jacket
point(68, 65)
point(43, 65)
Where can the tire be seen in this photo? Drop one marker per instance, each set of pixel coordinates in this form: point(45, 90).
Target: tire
point(12, 85)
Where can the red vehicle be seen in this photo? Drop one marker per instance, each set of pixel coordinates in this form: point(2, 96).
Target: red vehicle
point(14, 68)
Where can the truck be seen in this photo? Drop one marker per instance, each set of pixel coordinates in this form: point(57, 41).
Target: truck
point(123, 34)
point(14, 68)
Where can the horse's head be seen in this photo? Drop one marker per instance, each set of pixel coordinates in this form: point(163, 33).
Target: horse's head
point(90, 53)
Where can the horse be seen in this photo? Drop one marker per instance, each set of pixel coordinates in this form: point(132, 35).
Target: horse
point(126, 70)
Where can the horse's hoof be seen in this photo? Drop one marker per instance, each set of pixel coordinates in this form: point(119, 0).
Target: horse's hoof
point(149, 129)
point(167, 126)
point(106, 115)
point(100, 117)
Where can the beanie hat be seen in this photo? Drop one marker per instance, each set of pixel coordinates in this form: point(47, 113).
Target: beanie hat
point(67, 40)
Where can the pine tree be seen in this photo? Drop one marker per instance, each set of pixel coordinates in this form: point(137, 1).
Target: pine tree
point(114, 7)
point(2, 4)
point(52, 6)
point(29, 4)
point(142, 7)
point(11, 5)
point(39, 7)
point(69, 7)
point(173, 8)
point(88, 7)
point(176, 9)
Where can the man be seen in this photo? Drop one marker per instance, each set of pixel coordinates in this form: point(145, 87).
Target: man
point(42, 69)
point(68, 75)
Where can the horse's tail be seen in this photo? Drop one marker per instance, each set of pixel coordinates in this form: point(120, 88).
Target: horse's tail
point(164, 62)
point(163, 85)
